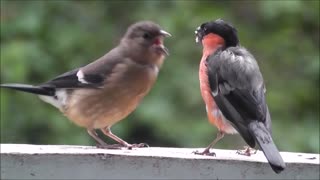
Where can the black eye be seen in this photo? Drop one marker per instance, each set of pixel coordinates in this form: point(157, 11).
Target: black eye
point(147, 35)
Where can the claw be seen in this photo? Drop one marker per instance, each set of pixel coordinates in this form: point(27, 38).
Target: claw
point(140, 145)
point(205, 153)
point(247, 151)
point(120, 146)
point(110, 146)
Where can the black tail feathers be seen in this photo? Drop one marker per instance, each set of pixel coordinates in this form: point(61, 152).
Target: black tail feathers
point(30, 89)
point(267, 145)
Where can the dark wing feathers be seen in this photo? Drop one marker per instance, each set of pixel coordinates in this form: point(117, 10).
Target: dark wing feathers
point(70, 80)
point(94, 74)
point(96, 79)
point(229, 111)
point(237, 87)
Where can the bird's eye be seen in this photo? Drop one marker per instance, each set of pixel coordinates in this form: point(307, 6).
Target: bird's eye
point(146, 35)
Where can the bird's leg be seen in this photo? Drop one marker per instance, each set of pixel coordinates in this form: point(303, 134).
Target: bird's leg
point(107, 132)
point(95, 136)
point(206, 152)
point(100, 142)
point(247, 151)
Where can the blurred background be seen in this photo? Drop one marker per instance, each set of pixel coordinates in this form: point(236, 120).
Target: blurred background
point(42, 39)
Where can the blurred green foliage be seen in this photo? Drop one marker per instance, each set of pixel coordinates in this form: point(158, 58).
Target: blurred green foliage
point(42, 39)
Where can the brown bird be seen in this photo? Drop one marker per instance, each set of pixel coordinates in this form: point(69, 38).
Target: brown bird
point(107, 90)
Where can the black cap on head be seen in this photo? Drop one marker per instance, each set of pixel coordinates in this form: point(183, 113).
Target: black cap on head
point(221, 28)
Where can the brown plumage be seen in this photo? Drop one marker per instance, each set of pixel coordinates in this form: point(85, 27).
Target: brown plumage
point(107, 90)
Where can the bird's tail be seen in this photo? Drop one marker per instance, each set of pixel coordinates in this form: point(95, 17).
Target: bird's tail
point(267, 145)
point(30, 89)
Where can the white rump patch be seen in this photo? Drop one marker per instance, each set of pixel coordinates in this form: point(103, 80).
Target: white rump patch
point(58, 101)
point(80, 76)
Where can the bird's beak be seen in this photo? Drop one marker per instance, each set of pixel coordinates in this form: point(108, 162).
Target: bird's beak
point(165, 33)
point(161, 47)
point(198, 34)
point(164, 49)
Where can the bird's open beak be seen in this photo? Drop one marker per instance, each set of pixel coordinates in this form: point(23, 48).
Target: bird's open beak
point(198, 34)
point(164, 49)
point(161, 47)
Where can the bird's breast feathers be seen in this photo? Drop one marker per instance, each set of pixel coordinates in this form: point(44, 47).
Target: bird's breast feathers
point(120, 94)
point(215, 116)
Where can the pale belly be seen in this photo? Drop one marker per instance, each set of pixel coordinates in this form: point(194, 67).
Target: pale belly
point(102, 109)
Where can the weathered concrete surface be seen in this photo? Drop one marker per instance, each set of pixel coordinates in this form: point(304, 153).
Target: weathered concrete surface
point(20, 161)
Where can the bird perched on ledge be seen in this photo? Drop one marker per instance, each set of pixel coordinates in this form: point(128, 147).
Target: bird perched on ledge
point(233, 90)
point(107, 90)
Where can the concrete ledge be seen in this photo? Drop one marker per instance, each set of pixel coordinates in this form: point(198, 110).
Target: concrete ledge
point(20, 161)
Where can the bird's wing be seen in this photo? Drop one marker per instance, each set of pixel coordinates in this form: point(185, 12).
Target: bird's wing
point(75, 79)
point(90, 76)
point(237, 87)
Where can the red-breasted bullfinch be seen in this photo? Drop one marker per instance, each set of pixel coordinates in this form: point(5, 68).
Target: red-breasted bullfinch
point(233, 90)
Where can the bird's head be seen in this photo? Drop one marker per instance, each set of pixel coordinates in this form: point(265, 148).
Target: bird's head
point(219, 32)
point(147, 35)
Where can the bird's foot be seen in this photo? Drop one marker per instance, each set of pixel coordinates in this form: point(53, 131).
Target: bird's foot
point(206, 152)
point(109, 146)
point(140, 145)
point(120, 146)
point(247, 151)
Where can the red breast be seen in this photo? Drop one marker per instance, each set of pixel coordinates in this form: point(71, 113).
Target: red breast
point(211, 43)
